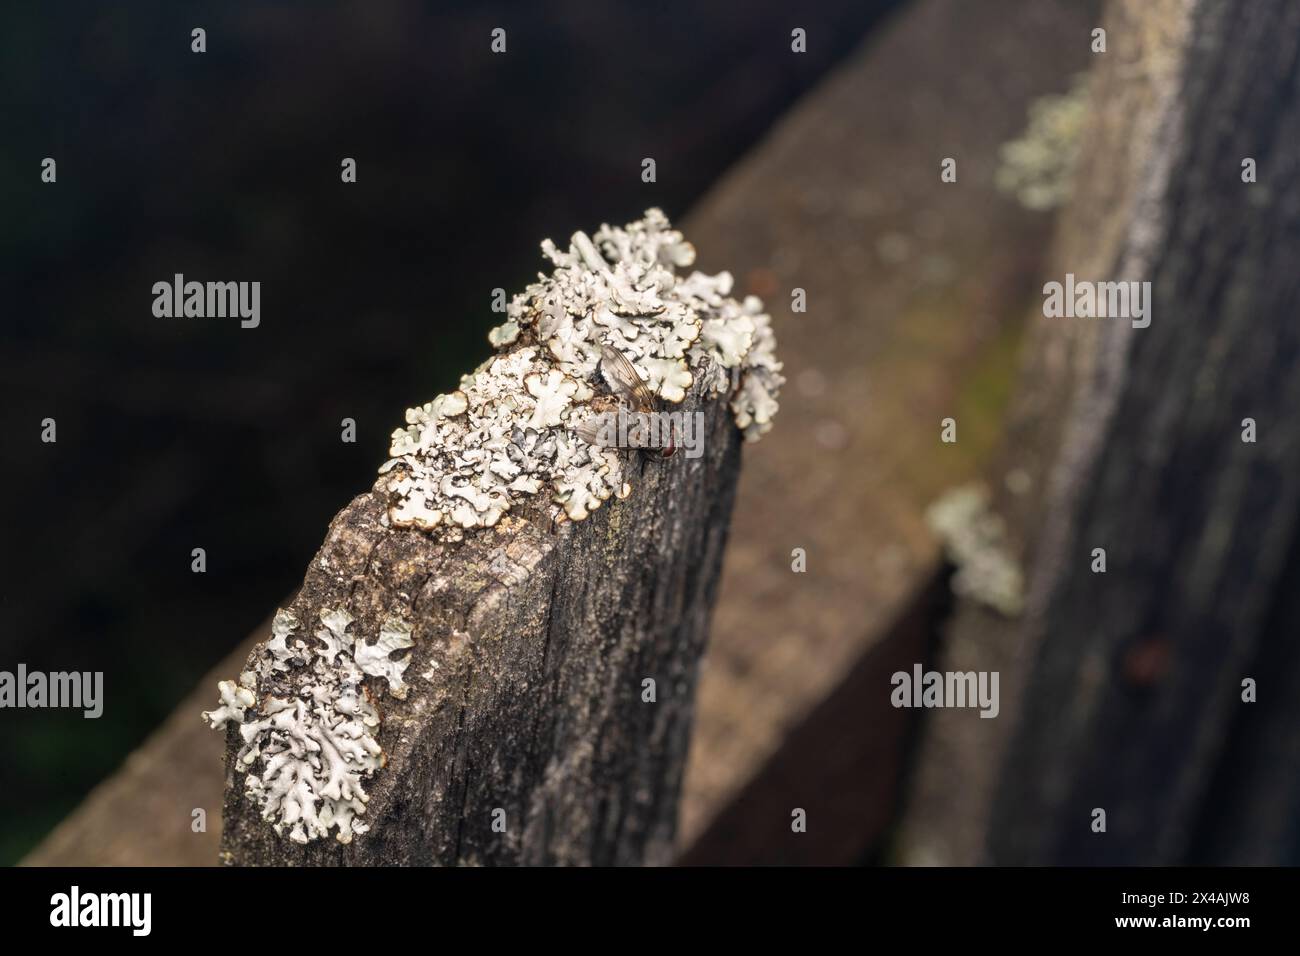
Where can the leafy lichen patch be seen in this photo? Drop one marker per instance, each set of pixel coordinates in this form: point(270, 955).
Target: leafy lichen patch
point(507, 434)
point(308, 726)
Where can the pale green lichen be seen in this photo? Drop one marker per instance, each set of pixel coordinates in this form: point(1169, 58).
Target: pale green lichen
point(311, 739)
point(512, 430)
point(974, 540)
point(1038, 167)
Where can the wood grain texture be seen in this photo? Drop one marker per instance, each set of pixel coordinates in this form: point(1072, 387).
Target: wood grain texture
point(1136, 681)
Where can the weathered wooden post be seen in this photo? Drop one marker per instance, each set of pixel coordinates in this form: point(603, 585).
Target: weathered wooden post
point(492, 658)
point(1179, 460)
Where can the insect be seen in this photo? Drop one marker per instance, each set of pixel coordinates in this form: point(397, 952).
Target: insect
point(626, 383)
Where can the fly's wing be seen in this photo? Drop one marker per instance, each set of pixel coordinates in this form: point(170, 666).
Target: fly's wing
point(589, 431)
point(625, 380)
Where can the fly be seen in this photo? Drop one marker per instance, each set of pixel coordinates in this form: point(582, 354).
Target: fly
point(635, 395)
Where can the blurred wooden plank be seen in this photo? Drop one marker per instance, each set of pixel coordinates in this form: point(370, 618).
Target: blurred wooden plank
point(1135, 690)
point(958, 754)
point(856, 774)
point(917, 290)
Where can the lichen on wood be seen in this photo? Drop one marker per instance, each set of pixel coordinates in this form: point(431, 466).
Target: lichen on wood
point(508, 432)
point(475, 689)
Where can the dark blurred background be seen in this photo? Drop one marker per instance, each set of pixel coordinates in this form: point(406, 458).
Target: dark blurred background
point(175, 434)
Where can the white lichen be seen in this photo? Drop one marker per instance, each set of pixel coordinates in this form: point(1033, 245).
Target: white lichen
point(974, 539)
point(373, 659)
point(334, 634)
point(1038, 167)
point(508, 433)
point(311, 741)
point(281, 653)
point(234, 701)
